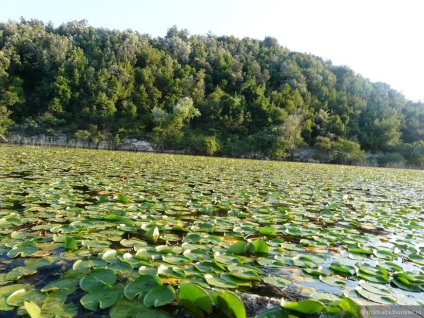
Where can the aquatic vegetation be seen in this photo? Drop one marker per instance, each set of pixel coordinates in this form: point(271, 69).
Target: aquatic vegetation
point(86, 230)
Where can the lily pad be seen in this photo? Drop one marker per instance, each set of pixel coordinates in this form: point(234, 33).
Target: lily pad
point(194, 297)
point(141, 286)
point(218, 282)
point(231, 305)
point(23, 249)
point(159, 296)
point(97, 279)
point(304, 306)
point(279, 281)
point(102, 296)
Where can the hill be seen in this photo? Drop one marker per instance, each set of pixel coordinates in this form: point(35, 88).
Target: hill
point(204, 94)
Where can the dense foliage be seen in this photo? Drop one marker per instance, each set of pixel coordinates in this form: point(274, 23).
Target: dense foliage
point(205, 94)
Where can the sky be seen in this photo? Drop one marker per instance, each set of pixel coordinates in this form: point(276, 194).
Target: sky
point(380, 39)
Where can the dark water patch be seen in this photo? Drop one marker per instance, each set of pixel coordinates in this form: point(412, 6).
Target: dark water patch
point(45, 275)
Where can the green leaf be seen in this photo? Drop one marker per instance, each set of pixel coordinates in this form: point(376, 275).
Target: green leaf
point(377, 298)
point(267, 231)
point(244, 272)
point(320, 271)
point(342, 269)
point(122, 198)
point(416, 258)
point(390, 266)
point(66, 283)
point(231, 305)
point(159, 296)
point(23, 249)
point(125, 309)
point(70, 243)
point(350, 306)
point(406, 285)
point(375, 288)
point(176, 259)
point(237, 248)
point(192, 238)
point(32, 309)
point(82, 266)
point(141, 286)
point(218, 282)
point(193, 296)
point(166, 271)
point(18, 297)
point(5, 292)
point(226, 259)
point(102, 296)
point(360, 250)
point(20, 271)
point(97, 279)
point(304, 306)
point(333, 280)
point(279, 281)
point(260, 247)
point(276, 312)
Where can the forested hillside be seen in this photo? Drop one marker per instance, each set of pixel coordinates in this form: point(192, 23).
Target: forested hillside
point(204, 94)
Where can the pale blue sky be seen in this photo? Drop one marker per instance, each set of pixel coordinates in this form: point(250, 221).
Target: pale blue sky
point(379, 39)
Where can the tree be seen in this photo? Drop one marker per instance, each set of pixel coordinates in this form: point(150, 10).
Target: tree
point(340, 150)
point(288, 135)
point(5, 121)
point(168, 126)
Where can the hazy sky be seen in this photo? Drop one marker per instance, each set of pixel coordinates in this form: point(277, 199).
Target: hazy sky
point(380, 39)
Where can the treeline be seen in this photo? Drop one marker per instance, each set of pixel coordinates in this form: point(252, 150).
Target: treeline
point(204, 94)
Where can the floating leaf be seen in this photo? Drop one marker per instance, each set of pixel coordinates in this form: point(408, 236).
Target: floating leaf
point(141, 286)
point(416, 258)
point(70, 243)
point(68, 284)
point(237, 248)
point(279, 281)
point(193, 296)
point(360, 250)
point(97, 279)
point(122, 198)
point(167, 271)
point(406, 285)
point(304, 306)
point(377, 289)
point(176, 259)
point(20, 271)
point(102, 296)
point(218, 282)
point(244, 272)
point(159, 296)
point(231, 305)
point(377, 298)
point(5, 292)
point(390, 266)
point(226, 259)
point(23, 249)
point(193, 238)
point(32, 309)
point(276, 312)
point(320, 271)
point(267, 231)
point(260, 247)
point(333, 280)
point(19, 297)
point(349, 305)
